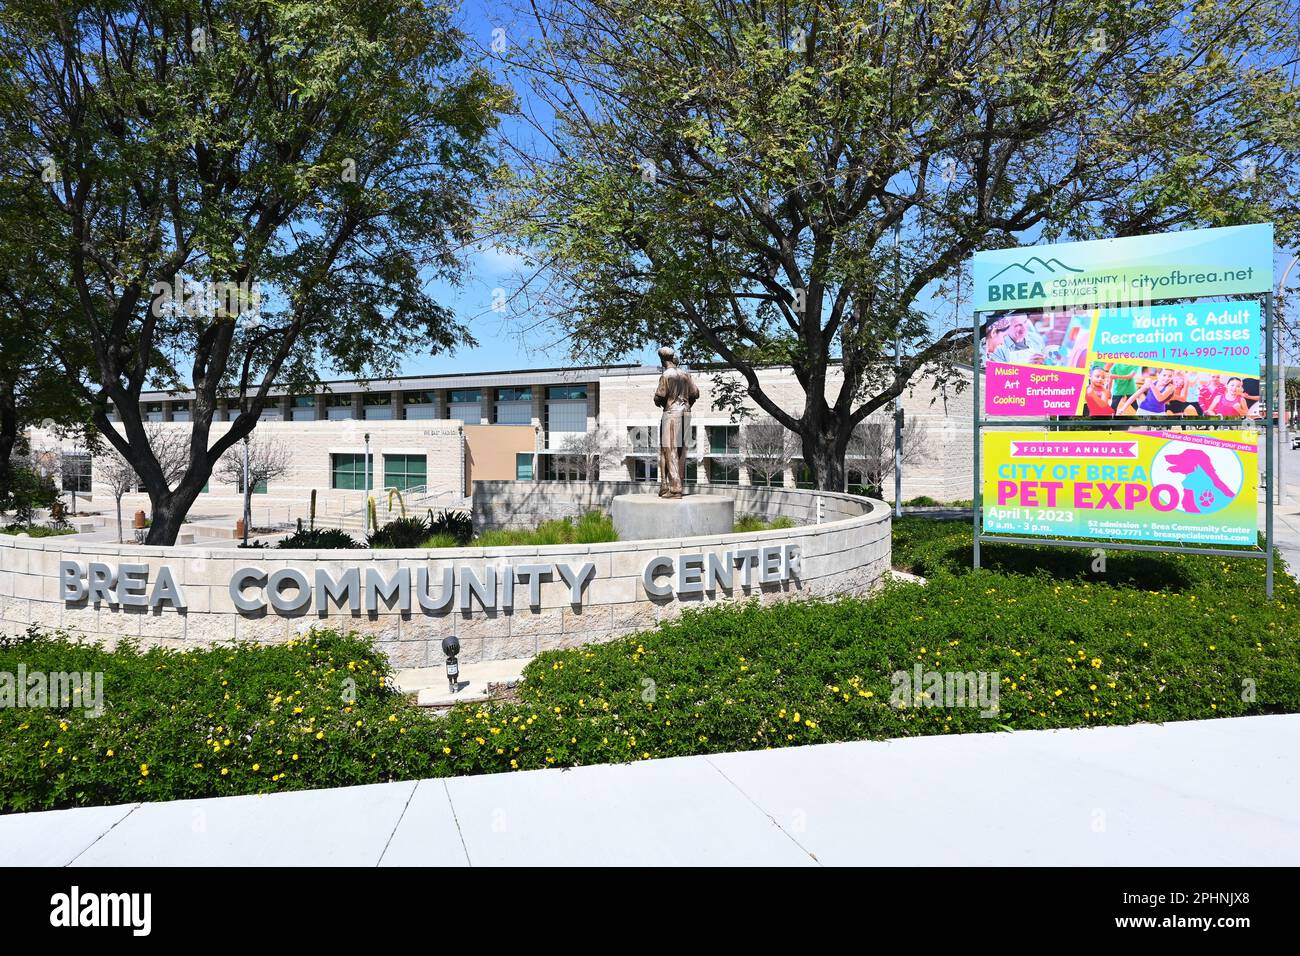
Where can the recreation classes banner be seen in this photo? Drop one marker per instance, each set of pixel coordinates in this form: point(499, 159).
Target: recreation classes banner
point(1178, 487)
point(1191, 360)
point(1135, 270)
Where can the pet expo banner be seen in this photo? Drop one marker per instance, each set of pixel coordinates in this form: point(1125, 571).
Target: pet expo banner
point(1187, 360)
point(1141, 486)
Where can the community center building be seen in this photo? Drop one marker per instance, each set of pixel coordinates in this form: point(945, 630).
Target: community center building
point(431, 437)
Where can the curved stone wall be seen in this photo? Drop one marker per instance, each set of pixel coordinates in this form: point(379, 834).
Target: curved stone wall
point(503, 602)
point(523, 504)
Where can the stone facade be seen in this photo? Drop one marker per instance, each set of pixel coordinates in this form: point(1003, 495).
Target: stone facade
point(311, 446)
point(847, 553)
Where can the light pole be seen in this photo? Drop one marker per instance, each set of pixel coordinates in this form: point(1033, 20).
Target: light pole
point(898, 404)
point(366, 467)
point(248, 502)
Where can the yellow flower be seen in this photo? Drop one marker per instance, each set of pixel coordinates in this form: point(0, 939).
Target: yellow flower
point(110, 751)
point(144, 770)
point(320, 735)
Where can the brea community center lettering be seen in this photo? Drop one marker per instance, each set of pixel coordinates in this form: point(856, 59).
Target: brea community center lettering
point(290, 590)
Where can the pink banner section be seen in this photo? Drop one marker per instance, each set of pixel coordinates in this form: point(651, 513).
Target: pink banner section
point(1193, 439)
point(1074, 449)
point(1025, 390)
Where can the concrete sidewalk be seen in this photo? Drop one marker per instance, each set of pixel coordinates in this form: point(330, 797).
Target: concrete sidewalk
point(1196, 793)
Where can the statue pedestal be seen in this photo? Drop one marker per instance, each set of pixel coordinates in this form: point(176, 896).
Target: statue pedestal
point(640, 517)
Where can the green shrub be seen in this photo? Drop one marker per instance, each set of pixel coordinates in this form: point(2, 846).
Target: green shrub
point(319, 539)
point(748, 524)
point(447, 529)
point(25, 491)
point(1152, 638)
point(592, 528)
point(407, 532)
point(36, 530)
point(456, 523)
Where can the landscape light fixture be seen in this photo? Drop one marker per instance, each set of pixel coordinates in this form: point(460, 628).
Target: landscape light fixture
point(451, 647)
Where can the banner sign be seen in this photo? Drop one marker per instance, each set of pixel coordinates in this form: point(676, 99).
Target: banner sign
point(1179, 487)
point(1232, 260)
point(1190, 360)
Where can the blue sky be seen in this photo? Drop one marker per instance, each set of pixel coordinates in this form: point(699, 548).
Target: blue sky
point(506, 340)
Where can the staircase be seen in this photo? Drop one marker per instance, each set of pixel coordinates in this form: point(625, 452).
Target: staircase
point(418, 501)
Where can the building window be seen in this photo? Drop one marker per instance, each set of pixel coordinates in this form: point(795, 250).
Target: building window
point(724, 439)
point(643, 469)
point(405, 471)
point(564, 468)
point(180, 411)
point(523, 466)
point(338, 407)
point(420, 404)
point(76, 472)
point(153, 411)
point(304, 408)
point(803, 476)
point(643, 439)
point(465, 405)
point(514, 406)
point(566, 408)
point(378, 406)
point(348, 472)
point(566, 393)
point(723, 472)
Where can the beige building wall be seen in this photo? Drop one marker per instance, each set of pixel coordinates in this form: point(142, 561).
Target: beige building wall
point(490, 451)
point(311, 446)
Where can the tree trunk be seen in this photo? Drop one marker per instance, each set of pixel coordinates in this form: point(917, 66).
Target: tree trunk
point(170, 508)
point(8, 433)
point(119, 519)
point(823, 451)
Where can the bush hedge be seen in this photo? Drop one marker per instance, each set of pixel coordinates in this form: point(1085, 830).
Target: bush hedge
point(1142, 638)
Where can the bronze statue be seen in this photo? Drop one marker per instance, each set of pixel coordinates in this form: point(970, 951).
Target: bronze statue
point(675, 395)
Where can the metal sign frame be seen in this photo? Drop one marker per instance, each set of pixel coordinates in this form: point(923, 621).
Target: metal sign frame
point(981, 423)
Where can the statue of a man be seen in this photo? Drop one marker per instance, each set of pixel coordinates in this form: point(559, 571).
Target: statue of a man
point(675, 395)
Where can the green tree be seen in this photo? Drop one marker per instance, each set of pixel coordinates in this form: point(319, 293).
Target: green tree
point(246, 192)
point(792, 182)
point(33, 293)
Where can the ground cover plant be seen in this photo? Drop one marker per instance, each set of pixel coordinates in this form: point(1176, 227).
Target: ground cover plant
point(1072, 643)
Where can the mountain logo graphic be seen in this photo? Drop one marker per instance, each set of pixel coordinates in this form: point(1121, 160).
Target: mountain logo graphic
point(1022, 281)
point(1034, 266)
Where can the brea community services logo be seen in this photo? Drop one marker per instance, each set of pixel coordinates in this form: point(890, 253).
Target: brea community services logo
point(1024, 280)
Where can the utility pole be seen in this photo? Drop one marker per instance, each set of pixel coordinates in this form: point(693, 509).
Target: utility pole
point(366, 464)
point(898, 404)
point(248, 503)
